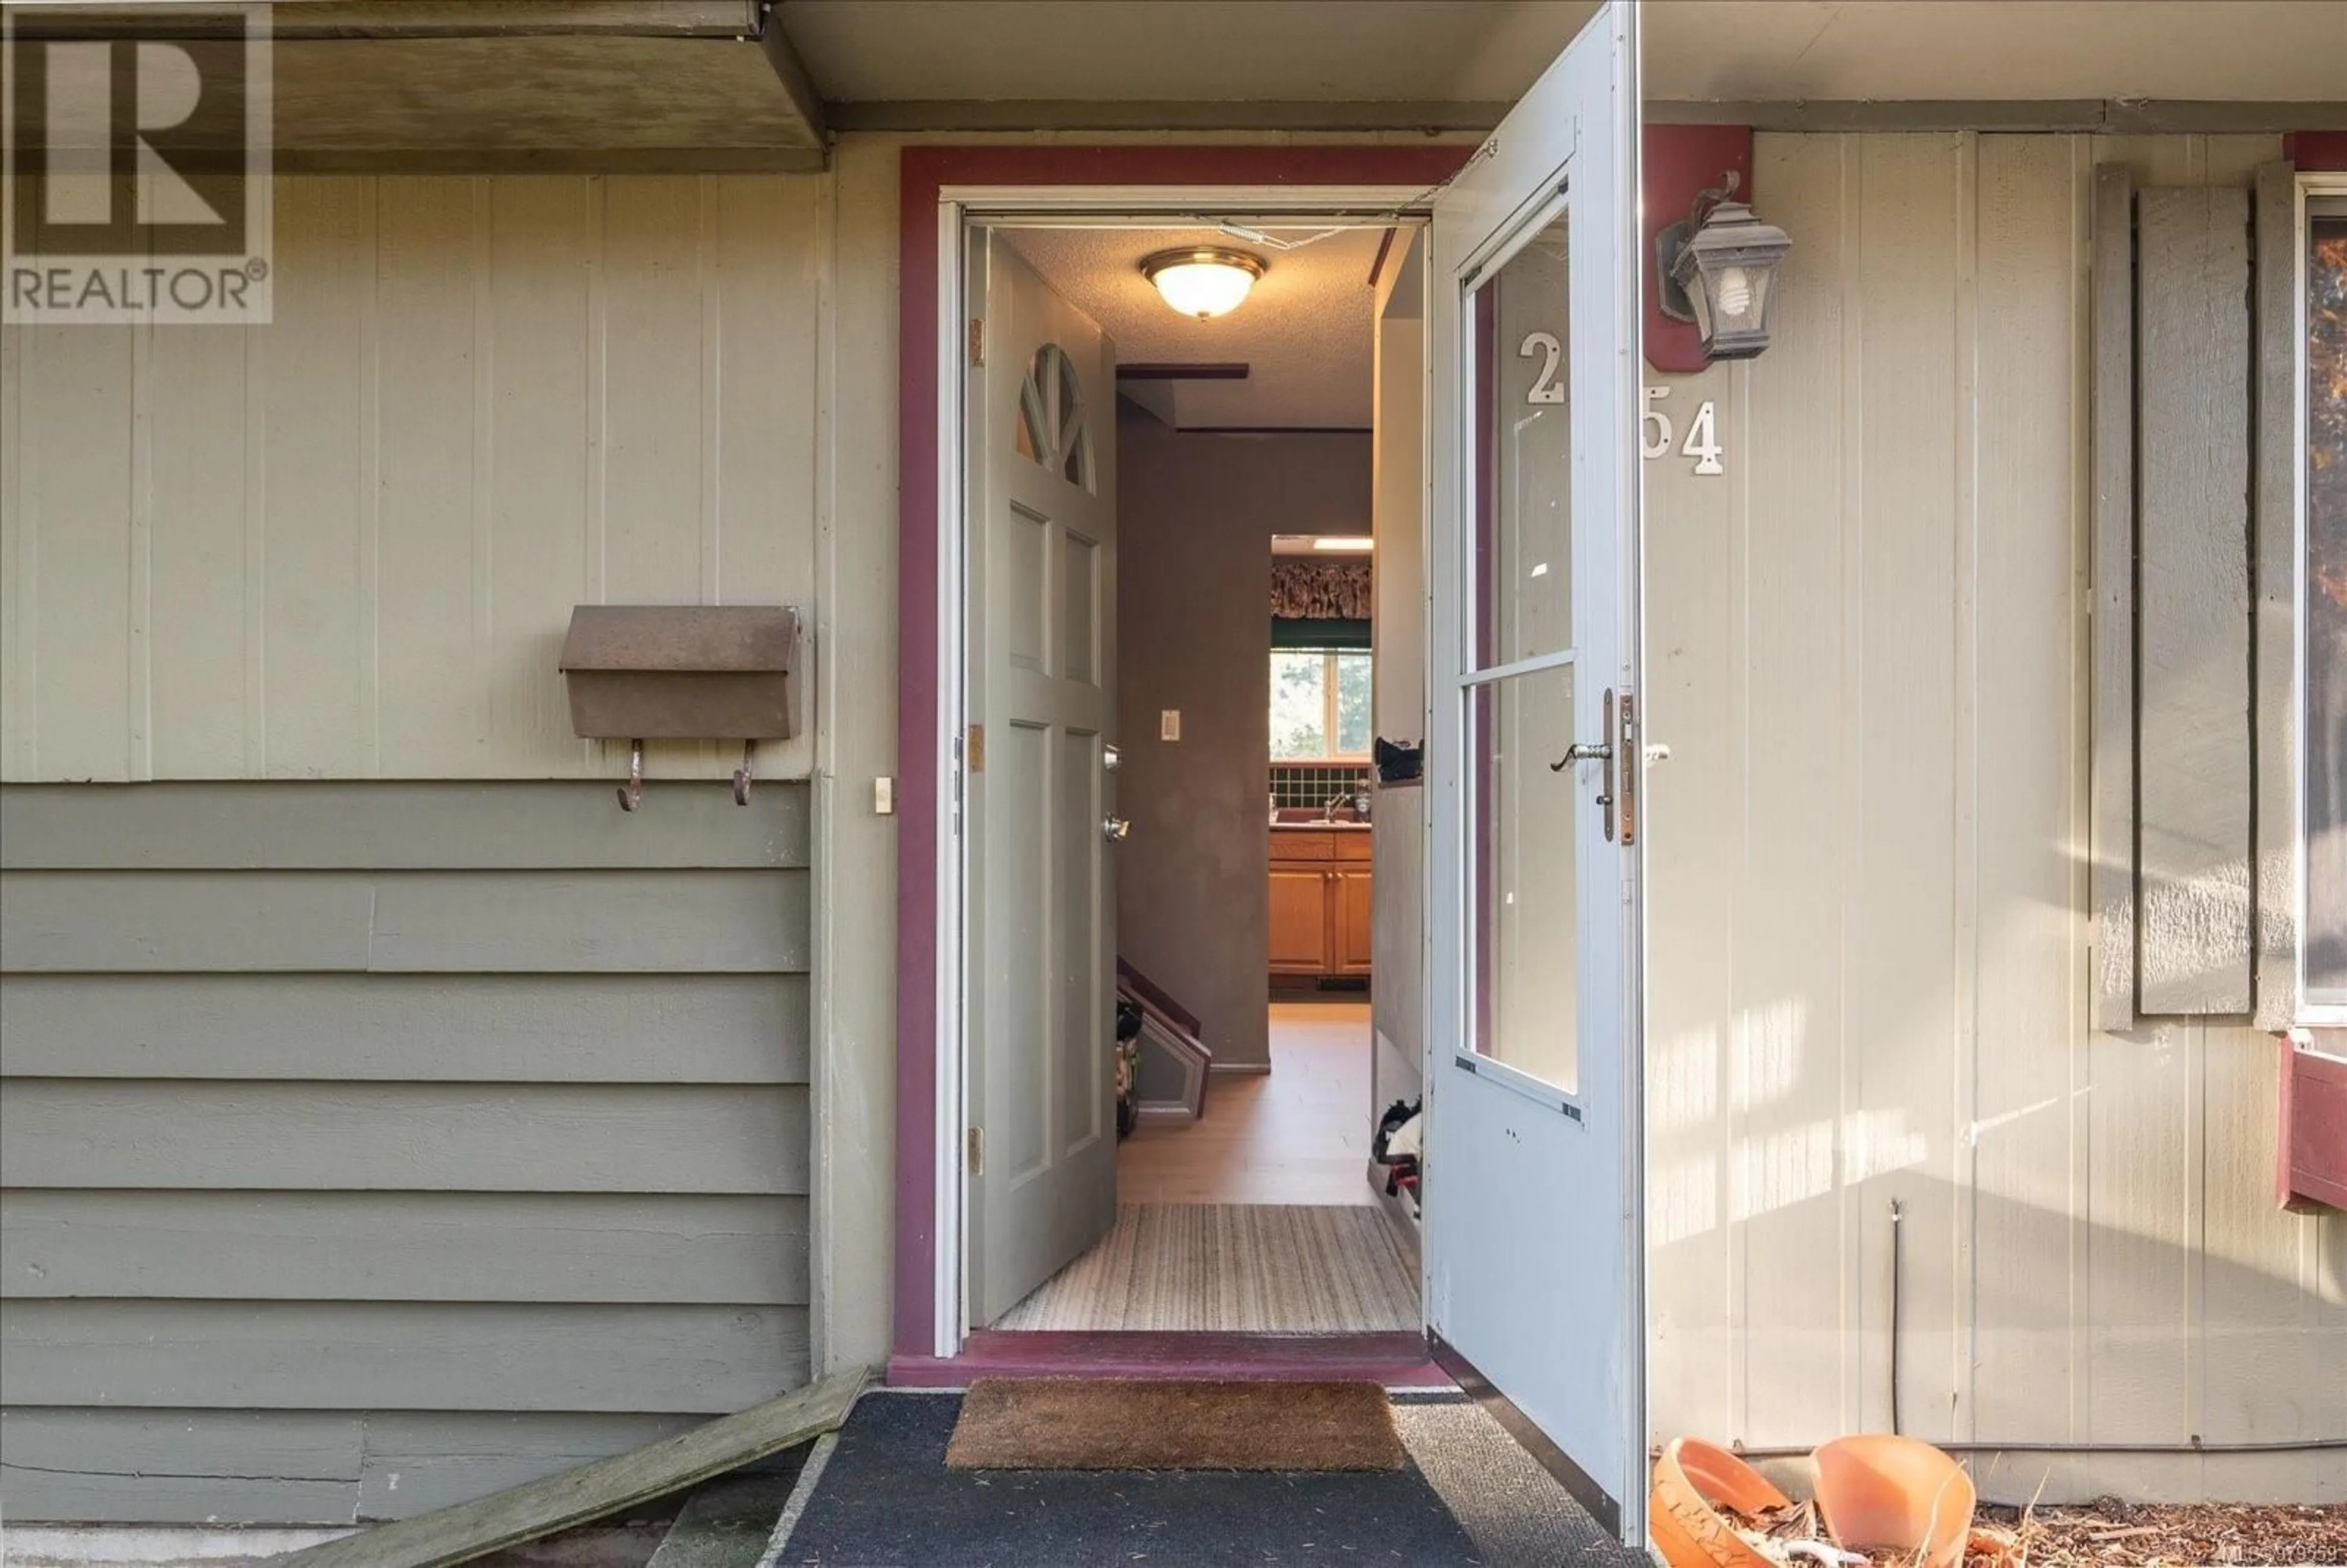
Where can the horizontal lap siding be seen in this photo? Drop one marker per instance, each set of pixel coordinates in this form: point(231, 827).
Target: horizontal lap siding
point(164, 1466)
point(446, 1029)
point(433, 922)
point(345, 1126)
point(405, 1137)
point(421, 1355)
point(405, 1246)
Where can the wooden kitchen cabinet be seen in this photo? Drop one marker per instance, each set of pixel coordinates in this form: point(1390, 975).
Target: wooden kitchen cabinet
point(1299, 921)
point(1320, 902)
point(1349, 917)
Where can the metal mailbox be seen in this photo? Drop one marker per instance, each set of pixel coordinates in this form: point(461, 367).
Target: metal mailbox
point(683, 672)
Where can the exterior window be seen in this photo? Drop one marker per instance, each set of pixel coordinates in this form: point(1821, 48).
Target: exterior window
point(1319, 704)
point(2323, 661)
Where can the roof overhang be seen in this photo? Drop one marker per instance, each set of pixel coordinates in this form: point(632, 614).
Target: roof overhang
point(996, 65)
point(620, 85)
point(470, 84)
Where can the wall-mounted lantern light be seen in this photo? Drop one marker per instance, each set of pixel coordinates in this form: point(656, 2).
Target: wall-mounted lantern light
point(1718, 270)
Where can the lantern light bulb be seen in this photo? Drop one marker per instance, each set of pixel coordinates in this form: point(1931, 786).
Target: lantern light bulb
point(1735, 292)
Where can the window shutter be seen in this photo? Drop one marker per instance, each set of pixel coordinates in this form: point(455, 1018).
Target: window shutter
point(2175, 779)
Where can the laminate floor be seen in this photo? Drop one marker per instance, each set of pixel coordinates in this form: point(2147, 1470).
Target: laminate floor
point(1296, 1134)
point(1259, 1216)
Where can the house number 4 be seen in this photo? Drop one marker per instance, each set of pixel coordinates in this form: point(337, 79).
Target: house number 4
point(1702, 442)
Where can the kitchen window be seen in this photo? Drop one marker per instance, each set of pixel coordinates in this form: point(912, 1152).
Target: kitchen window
point(1319, 704)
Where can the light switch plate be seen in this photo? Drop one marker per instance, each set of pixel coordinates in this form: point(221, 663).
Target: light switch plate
point(884, 796)
point(1169, 723)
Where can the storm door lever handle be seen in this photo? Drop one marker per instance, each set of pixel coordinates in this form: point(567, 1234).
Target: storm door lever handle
point(1583, 751)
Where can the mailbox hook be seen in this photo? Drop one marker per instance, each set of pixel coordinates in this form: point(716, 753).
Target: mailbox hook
point(742, 775)
point(632, 793)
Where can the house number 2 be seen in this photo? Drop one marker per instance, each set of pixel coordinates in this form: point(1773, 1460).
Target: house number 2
point(1546, 387)
point(1655, 432)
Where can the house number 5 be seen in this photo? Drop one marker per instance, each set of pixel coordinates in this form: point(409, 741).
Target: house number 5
point(1702, 442)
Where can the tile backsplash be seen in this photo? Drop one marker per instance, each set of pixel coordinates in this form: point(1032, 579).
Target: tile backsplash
point(1312, 784)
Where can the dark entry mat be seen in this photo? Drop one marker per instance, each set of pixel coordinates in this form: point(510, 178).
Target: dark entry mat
point(1173, 1423)
point(886, 1499)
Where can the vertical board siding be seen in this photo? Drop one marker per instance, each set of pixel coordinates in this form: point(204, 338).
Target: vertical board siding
point(346, 544)
point(2110, 361)
point(1871, 977)
point(555, 1169)
point(2277, 340)
point(2029, 983)
point(1909, 730)
point(1784, 1043)
point(201, 719)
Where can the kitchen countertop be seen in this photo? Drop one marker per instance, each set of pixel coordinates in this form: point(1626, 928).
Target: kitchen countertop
point(1319, 827)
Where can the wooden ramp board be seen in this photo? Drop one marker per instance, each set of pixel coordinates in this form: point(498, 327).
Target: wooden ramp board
point(589, 1493)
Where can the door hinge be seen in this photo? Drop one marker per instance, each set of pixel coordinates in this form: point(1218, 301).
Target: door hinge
point(976, 1141)
point(976, 341)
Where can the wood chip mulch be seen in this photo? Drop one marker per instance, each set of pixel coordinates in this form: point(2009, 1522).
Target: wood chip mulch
point(2114, 1535)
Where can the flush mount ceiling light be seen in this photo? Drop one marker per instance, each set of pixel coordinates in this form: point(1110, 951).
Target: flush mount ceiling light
point(1203, 280)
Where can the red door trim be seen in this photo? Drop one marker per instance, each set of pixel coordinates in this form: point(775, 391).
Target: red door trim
point(922, 173)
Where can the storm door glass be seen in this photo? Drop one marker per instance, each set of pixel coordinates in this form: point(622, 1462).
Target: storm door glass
point(1518, 688)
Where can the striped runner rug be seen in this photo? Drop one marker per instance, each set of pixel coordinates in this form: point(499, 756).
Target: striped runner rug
point(1247, 1268)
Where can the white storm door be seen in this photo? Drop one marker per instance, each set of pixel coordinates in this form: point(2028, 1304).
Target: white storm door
point(1534, 1251)
point(1041, 682)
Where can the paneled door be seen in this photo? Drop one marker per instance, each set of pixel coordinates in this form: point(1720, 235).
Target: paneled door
point(1039, 932)
point(1534, 1250)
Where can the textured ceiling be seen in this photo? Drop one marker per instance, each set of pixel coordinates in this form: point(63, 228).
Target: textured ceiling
point(1304, 332)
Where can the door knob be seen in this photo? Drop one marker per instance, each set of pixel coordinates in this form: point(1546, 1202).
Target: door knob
point(1115, 829)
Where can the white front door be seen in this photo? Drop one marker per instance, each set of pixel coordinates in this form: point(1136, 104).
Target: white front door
point(1535, 1249)
point(1041, 682)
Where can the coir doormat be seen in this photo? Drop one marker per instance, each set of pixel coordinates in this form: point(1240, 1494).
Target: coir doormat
point(1140, 1423)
